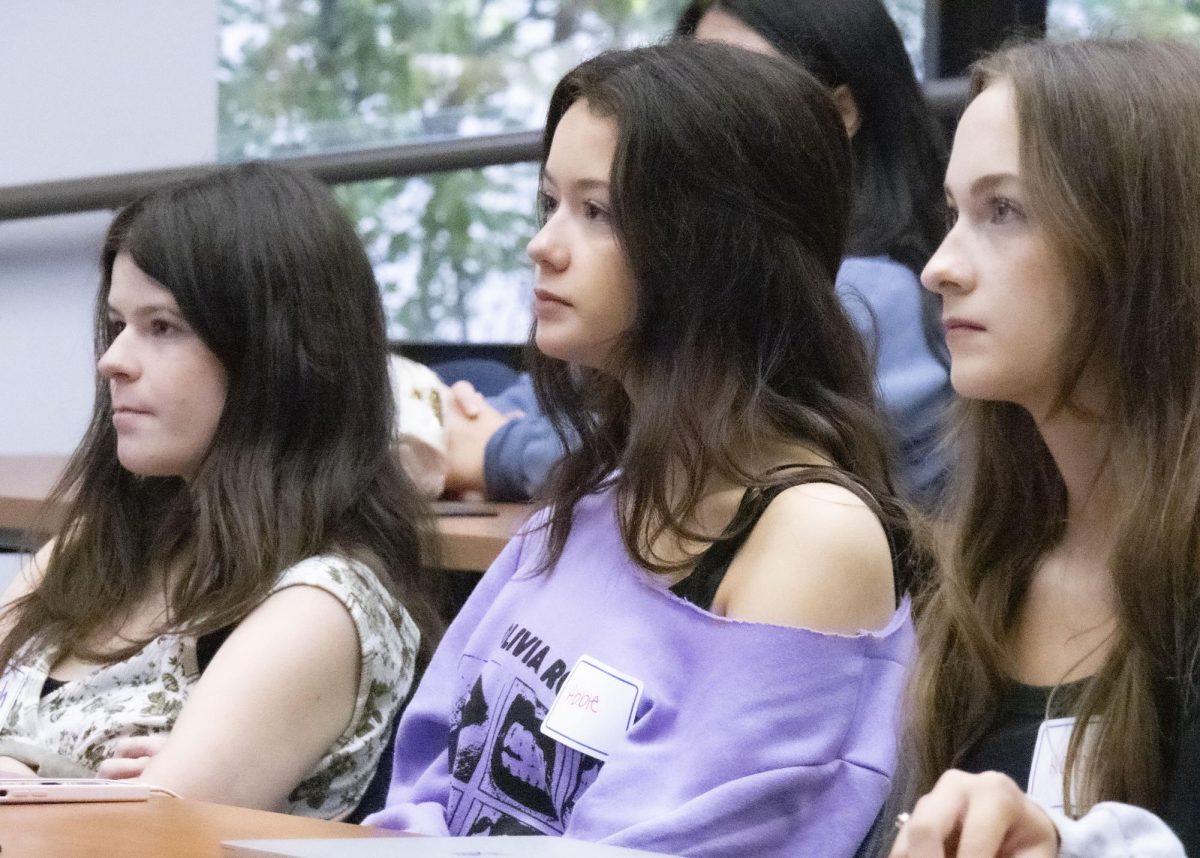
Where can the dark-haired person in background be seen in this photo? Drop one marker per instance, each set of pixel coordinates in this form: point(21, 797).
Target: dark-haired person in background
point(235, 605)
point(505, 447)
point(718, 578)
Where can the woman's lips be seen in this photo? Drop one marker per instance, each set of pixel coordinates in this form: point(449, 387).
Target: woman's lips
point(549, 297)
point(956, 324)
point(548, 306)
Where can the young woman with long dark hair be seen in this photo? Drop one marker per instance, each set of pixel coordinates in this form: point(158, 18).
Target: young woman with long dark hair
point(505, 447)
point(1059, 644)
point(896, 218)
point(234, 607)
point(696, 647)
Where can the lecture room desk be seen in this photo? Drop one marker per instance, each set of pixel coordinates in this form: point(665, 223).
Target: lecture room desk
point(175, 827)
point(469, 543)
point(159, 828)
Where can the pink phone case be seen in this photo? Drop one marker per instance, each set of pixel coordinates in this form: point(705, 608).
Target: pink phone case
point(50, 791)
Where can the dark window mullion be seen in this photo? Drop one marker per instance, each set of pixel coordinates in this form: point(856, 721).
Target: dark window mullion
point(957, 32)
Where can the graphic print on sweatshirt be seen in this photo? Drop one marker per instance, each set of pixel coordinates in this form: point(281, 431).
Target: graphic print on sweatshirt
point(511, 779)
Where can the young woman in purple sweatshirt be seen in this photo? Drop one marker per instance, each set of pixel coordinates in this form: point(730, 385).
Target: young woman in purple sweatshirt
point(697, 646)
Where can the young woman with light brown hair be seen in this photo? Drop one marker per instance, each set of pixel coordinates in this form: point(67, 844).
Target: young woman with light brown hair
point(1070, 581)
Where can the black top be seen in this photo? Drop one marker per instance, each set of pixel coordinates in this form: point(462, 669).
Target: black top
point(1008, 746)
point(206, 647)
point(701, 584)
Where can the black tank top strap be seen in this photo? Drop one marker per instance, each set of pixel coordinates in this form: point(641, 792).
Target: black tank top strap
point(206, 648)
point(701, 585)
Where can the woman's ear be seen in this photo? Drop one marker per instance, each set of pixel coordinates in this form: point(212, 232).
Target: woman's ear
point(848, 108)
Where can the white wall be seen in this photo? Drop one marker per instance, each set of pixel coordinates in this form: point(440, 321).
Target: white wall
point(10, 563)
point(86, 88)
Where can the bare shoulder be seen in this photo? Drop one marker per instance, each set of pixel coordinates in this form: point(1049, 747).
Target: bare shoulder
point(297, 611)
point(819, 559)
point(294, 660)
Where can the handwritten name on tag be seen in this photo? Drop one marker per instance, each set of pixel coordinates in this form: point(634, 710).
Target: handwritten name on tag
point(594, 709)
point(1050, 759)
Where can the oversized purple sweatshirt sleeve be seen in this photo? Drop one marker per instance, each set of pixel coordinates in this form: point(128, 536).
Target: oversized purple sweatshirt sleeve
point(765, 753)
point(749, 739)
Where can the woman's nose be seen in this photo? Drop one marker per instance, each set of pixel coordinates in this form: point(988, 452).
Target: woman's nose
point(947, 269)
point(118, 359)
point(548, 249)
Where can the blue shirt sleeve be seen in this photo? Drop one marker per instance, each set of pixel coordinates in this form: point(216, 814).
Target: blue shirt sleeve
point(520, 454)
point(883, 300)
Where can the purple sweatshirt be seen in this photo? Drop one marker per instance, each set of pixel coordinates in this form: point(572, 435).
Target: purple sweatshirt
point(749, 739)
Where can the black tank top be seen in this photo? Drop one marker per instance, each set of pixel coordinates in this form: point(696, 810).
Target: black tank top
point(701, 584)
point(206, 647)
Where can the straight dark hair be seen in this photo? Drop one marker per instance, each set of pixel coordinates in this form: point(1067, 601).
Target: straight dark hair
point(271, 276)
point(730, 193)
point(899, 149)
point(1109, 143)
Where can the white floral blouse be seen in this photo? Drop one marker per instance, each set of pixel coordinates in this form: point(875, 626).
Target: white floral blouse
point(81, 720)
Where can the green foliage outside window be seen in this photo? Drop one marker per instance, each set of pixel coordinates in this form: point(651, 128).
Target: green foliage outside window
point(1072, 18)
point(319, 75)
point(301, 76)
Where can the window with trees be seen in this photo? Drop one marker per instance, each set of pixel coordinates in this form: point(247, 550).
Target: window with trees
point(1177, 18)
point(303, 76)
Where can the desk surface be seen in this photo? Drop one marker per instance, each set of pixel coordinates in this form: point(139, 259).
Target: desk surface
point(469, 543)
point(149, 829)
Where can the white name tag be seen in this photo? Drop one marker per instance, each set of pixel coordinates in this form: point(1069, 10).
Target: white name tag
point(594, 709)
point(1049, 762)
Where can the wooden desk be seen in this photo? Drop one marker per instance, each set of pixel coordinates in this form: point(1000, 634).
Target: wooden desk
point(24, 483)
point(469, 543)
point(157, 828)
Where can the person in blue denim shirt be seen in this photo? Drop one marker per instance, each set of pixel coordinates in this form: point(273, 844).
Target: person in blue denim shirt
point(505, 448)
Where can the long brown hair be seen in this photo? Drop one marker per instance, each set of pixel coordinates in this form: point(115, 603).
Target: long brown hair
point(1109, 147)
point(271, 276)
point(730, 191)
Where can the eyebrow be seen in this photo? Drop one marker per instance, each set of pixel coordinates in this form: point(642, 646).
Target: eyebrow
point(581, 184)
point(149, 310)
point(986, 183)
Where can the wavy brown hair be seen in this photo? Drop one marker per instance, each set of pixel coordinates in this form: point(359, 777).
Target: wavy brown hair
point(1109, 147)
point(271, 276)
point(730, 192)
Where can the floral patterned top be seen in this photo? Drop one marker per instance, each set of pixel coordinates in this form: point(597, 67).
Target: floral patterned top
point(80, 721)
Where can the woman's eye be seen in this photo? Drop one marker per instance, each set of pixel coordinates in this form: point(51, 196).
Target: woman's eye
point(114, 328)
point(1004, 210)
point(161, 327)
point(951, 217)
point(594, 211)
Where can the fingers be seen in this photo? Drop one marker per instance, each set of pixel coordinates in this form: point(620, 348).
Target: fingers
point(120, 769)
point(976, 816)
point(468, 399)
point(15, 769)
point(139, 746)
point(934, 821)
point(130, 756)
point(995, 808)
